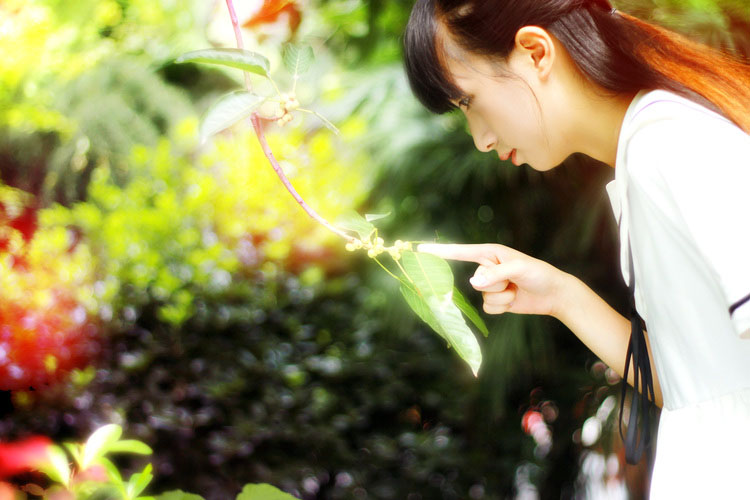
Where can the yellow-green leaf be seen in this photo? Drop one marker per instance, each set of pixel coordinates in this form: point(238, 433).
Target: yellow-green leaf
point(419, 306)
point(469, 311)
point(58, 468)
point(433, 280)
point(112, 471)
point(352, 221)
point(227, 111)
point(178, 495)
point(374, 217)
point(263, 492)
point(98, 442)
point(139, 481)
point(233, 58)
point(297, 58)
point(130, 446)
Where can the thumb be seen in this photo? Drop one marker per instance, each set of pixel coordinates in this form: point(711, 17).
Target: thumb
point(495, 278)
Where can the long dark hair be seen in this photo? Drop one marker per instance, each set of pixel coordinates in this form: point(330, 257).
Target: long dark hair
point(618, 52)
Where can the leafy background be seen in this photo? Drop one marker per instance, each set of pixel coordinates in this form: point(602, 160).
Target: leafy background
point(176, 289)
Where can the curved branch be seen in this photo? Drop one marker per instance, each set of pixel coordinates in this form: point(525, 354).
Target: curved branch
point(288, 185)
point(238, 37)
point(267, 149)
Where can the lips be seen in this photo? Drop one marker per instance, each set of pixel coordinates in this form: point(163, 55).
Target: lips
point(508, 155)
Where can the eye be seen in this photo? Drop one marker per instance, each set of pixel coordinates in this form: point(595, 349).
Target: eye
point(465, 102)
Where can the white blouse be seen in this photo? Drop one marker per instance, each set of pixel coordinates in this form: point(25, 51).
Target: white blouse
point(682, 196)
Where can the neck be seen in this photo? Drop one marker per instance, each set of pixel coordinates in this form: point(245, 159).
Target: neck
point(596, 123)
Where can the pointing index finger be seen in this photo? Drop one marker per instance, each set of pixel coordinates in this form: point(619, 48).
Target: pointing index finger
point(481, 254)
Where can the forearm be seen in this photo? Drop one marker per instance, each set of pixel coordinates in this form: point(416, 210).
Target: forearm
point(602, 329)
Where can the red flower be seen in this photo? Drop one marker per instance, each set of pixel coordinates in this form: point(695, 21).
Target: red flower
point(530, 420)
point(22, 456)
point(272, 10)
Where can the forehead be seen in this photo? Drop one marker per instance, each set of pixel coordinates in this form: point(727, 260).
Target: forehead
point(463, 65)
point(467, 71)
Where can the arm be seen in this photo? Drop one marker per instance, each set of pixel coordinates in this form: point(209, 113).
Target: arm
point(511, 281)
point(588, 316)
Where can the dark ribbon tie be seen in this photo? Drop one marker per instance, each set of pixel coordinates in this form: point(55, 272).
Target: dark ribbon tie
point(643, 384)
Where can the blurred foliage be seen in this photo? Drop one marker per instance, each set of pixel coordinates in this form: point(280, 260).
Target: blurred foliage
point(188, 220)
point(301, 387)
point(47, 325)
point(240, 343)
point(724, 24)
point(74, 97)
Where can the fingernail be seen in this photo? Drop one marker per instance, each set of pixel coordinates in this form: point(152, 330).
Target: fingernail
point(478, 281)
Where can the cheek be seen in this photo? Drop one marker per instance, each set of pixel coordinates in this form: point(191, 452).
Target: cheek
point(517, 115)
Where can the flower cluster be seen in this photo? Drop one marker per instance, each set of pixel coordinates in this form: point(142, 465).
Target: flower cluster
point(376, 246)
point(280, 110)
point(289, 103)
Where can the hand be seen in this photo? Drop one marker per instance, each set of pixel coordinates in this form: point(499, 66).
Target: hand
point(510, 281)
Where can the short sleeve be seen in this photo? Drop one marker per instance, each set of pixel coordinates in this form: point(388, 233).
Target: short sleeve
point(700, 165)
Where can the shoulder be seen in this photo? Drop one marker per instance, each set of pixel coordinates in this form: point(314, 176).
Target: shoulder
point(666, 134)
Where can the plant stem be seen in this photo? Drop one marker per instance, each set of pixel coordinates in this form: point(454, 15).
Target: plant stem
point(407, 275)
point(288, 185)
point(267, 149)
point(388, 270)
point(238, 36)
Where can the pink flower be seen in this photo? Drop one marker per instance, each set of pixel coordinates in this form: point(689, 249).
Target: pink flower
point(22, 456)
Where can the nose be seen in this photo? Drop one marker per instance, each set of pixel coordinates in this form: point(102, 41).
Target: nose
point(484, 145)
point(484, 139)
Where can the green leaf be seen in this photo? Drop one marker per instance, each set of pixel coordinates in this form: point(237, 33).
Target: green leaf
point(130, 446)
point(374, 217)
point(58, 468)
point(433, 280)
point(419, 306)
point(75, 451)
point(330, 126)
point(469, 311)
point(112, 471)
point(227, 111)
point(139, 481)
point(234, 58)
point(178, 495)
point(297, 58)
point(459, 335)
point(352, 221)
point(263, 492)
point(431, 275)
point(98, 442)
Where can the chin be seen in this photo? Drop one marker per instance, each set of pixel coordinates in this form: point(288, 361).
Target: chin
point(543, 167)
point(547, 164)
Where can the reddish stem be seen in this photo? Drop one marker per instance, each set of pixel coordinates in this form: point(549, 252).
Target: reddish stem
point(238, 37)
point(277, 168)
point(266, 148)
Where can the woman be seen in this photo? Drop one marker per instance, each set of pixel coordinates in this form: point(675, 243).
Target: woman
point(539, 80)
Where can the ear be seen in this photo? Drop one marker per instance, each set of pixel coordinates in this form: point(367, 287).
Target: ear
point(535, 48)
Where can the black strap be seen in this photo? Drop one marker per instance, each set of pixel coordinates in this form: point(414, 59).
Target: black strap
point(643, 384)
point(738, 304)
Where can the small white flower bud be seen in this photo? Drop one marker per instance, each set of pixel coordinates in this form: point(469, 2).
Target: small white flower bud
point(270, 110)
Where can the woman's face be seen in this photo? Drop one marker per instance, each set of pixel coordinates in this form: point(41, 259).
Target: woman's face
point(504, 105)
